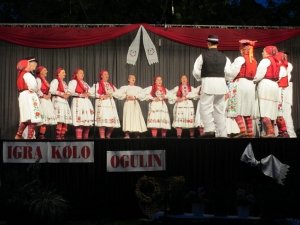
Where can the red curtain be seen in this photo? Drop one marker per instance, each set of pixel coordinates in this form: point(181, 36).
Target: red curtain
point(67, 37)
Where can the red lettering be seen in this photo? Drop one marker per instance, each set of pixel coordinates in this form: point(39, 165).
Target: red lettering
point(124, 161)
point(157, 159)
point(114, 161)
point(24, 152)
point(141, 159)
point(85, 152)
point(55, 153)
point(149, 164)
point(9, 152)
point(134, 160)
point(27, 152)
point(38, 153)
point(67, 152)
point(17, 152)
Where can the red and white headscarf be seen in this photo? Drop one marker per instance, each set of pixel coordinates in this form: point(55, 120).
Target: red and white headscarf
point(80, 88)
point(155, 87)
point(246, 46)
point(38, 74)
point(60, 81)
point(102, 89)
point(271, 50)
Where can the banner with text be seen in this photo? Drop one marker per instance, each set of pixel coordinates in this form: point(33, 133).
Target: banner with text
point(129, 161)
point(52, 152)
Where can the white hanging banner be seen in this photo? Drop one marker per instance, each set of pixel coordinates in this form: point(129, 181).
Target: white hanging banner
point(150, 49)
point(133, 50)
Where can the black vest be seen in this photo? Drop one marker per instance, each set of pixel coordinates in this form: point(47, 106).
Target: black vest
point(213, 63)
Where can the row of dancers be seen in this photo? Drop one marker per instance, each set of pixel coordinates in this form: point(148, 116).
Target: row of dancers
point(254, 91)
point(50, 106)
point(42, 103)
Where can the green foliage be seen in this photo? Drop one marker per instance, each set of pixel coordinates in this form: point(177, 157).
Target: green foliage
point(33, 203)
point(47, 207)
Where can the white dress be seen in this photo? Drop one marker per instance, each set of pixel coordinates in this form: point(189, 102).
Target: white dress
point(46, 106)
point(183, 111)
point(81, 108)
point(133, 120)
point(29, 103)
point(158, 114)
point(287, 104)
point(242, 90)
point(61, 105)
point(106, 114)
point(268, 93)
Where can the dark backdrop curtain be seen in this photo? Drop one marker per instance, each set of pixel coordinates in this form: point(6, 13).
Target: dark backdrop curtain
point(174, 60)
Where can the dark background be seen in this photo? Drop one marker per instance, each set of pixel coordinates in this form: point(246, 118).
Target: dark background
point(204, 12)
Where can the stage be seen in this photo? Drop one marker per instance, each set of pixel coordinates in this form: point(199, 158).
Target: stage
point(92, 191)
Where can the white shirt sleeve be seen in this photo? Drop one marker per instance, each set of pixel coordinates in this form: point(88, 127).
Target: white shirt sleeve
point(120, 94)
point(282, 72)
point(72, 87)
point(30, 82)
point(234, 68)
point(53, 87)
point(39, 85)
point(94, 91)
point(261, 70)
point(145, 94)
point(197, 68)
point(227, 66)
point(193, 94)
point(289, 71)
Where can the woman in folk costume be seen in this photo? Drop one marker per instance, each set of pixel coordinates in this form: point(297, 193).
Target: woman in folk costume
point(242, 98)
point(282, 83)
point(81, 107)
point(60, 93)
point(288, 102)
point(133, 120)
point(47, 109)
point(105, 108)
point(266, 78)
point(29, 104)
point(158, 114)
point(183, 111)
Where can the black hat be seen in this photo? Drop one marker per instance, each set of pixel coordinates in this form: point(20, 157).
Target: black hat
point(31, 59)
point(213, 38)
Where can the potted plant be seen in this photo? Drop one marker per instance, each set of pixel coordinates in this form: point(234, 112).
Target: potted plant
point(244, 202)
point(47, 207)
point(149, 194)
point(34, 203)
point(175, 194)
point(196, 198)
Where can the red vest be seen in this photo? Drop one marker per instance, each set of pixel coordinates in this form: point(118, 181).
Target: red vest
point(248, 69)
point(101, 89)
point(80, 88)
point(21, 84)
point(179, 92)
point(283, 82)
point(272, 70)
point(60, 86)
point(44, 87)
